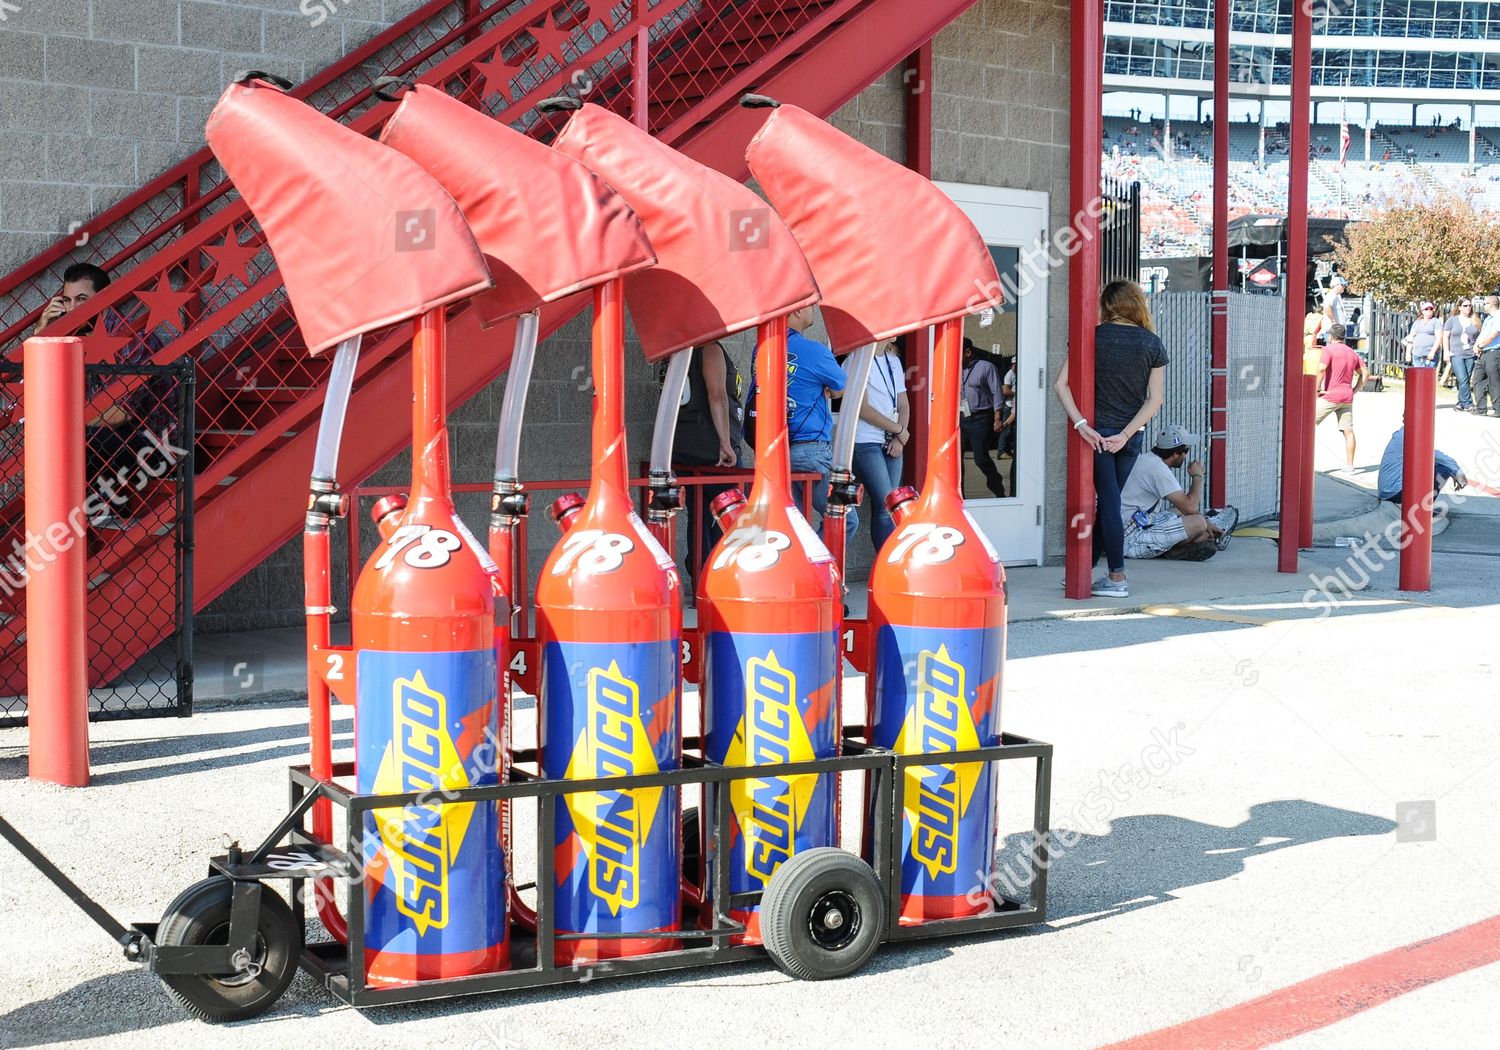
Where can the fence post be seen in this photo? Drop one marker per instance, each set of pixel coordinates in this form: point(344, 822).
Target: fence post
point(1418, 465)
point(57, 706)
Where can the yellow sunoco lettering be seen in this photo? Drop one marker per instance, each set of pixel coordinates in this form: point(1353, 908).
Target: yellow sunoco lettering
point(940, 695)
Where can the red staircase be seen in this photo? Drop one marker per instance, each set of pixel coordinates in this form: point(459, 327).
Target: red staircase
point(190, 265)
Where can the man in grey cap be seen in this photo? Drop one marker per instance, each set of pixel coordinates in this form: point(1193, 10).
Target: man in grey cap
point(1333, 307)
point(1161, 520)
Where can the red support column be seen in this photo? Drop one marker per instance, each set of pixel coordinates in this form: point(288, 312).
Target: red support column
point(1309, 453)
point(1294, 281)
point(1417, 476)
point(1218, 421)
point(57, 702)
point(1083, 286)
point(917, 79)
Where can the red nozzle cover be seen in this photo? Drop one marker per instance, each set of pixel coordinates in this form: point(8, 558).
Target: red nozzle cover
point(566, 504)
point(898, 496)
point(387, 505)
point(724, 500)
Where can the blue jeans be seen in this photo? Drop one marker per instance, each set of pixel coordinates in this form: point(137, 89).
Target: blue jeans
point(1463, 367)
point(1110, 471)
point(810, 456)
point(878, 473)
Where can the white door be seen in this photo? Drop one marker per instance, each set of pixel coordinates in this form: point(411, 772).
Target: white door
point(1012, 223)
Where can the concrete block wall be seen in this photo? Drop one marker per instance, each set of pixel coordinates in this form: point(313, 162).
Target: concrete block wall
point(98, 97)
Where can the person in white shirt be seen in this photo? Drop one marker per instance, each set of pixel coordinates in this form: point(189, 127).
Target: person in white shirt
point(1333, 306)
point(880, 438)
point(1160, 518)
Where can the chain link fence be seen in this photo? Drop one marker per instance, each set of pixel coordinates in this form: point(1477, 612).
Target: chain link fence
point(136, 521)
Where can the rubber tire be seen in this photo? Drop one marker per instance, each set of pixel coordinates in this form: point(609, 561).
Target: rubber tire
point(786, 909)
point(692, 846)
point(202, 911)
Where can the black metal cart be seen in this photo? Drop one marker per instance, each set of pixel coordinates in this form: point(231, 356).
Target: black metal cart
point(228, 946)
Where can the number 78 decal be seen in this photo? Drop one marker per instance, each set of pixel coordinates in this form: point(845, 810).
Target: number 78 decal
point(929, 544)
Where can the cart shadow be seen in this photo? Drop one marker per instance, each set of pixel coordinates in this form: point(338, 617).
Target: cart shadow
point(1144, 860)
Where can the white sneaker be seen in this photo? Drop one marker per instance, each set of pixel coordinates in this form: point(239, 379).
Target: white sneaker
point(1104, 587)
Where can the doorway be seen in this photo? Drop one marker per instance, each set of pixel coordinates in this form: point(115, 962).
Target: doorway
point(1008, 368)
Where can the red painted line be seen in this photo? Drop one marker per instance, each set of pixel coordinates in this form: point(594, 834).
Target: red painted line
point(1331, 997)
point(1482, 487)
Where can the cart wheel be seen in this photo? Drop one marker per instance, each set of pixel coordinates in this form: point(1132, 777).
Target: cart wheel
point(823, 915)
point(692, 846)
point(200, 916)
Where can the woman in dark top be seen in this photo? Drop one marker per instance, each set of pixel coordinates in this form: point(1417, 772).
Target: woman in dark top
point(1129, 377)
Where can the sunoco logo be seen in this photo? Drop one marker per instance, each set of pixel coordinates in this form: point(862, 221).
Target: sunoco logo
point(770, 810)
point(421, 841)
point(613, 825)
point(937, 796)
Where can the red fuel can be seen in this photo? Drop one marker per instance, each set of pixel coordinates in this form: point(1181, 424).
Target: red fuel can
point(428, 719)
point(937, 609)
point(609, 611)
point(769, 610)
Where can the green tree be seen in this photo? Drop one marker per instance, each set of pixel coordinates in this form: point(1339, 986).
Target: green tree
point(1429, 245)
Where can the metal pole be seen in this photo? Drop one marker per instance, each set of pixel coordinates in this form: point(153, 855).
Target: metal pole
point(1083, 286)
point(57, 705)
point(1218, 456)
point(641, 76)
point(1417, 477)
point(918, 76)
point(1294, 281)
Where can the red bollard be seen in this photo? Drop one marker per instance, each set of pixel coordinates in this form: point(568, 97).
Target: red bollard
point(57, 705)
point(1417, 476)
point(1309, 460)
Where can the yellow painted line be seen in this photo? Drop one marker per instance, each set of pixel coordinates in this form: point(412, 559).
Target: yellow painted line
point(1197, 612)
point(1260, 531)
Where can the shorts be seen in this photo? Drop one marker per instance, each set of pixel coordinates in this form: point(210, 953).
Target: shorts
point(1165, 530)
point(1343, 411)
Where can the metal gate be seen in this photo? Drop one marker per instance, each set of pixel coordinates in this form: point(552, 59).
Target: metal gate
point(138, 490)
point(1182, 322)
point(1120, 231)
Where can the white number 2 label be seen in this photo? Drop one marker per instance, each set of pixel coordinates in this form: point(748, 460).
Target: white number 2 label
point(433, 547)
point(594, 550)
point(929, 544)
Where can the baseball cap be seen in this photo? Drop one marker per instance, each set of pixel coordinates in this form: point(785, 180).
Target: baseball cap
point(1174, 436)
point(1338, 280)
point(1429, 306)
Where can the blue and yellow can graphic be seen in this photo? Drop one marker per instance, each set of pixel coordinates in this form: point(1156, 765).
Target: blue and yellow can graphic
point(434, 870)
point(611, 709)
point(938, 690)
point(770, 699)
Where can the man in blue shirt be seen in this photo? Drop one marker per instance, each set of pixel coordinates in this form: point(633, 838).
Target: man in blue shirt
point(812, 376)
point(1391, 469)
point(1487, 365)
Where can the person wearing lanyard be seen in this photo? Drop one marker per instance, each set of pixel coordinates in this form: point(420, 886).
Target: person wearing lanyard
point(880, 438)
point(979, 416)
point(1459, 334)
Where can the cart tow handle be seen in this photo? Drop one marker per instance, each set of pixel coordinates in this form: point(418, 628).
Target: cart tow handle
point(133, 940)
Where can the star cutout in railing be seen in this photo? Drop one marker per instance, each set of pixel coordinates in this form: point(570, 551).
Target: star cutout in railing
point(101, 348)
point(231, 258)
point(550, 40)
point(164, 304)
point(497, 74)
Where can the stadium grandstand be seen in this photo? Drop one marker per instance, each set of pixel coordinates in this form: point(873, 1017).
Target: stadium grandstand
point(1412, 83)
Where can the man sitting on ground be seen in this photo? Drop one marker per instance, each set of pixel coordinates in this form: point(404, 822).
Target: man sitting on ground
point(1161, 520)
point(1392, 469)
